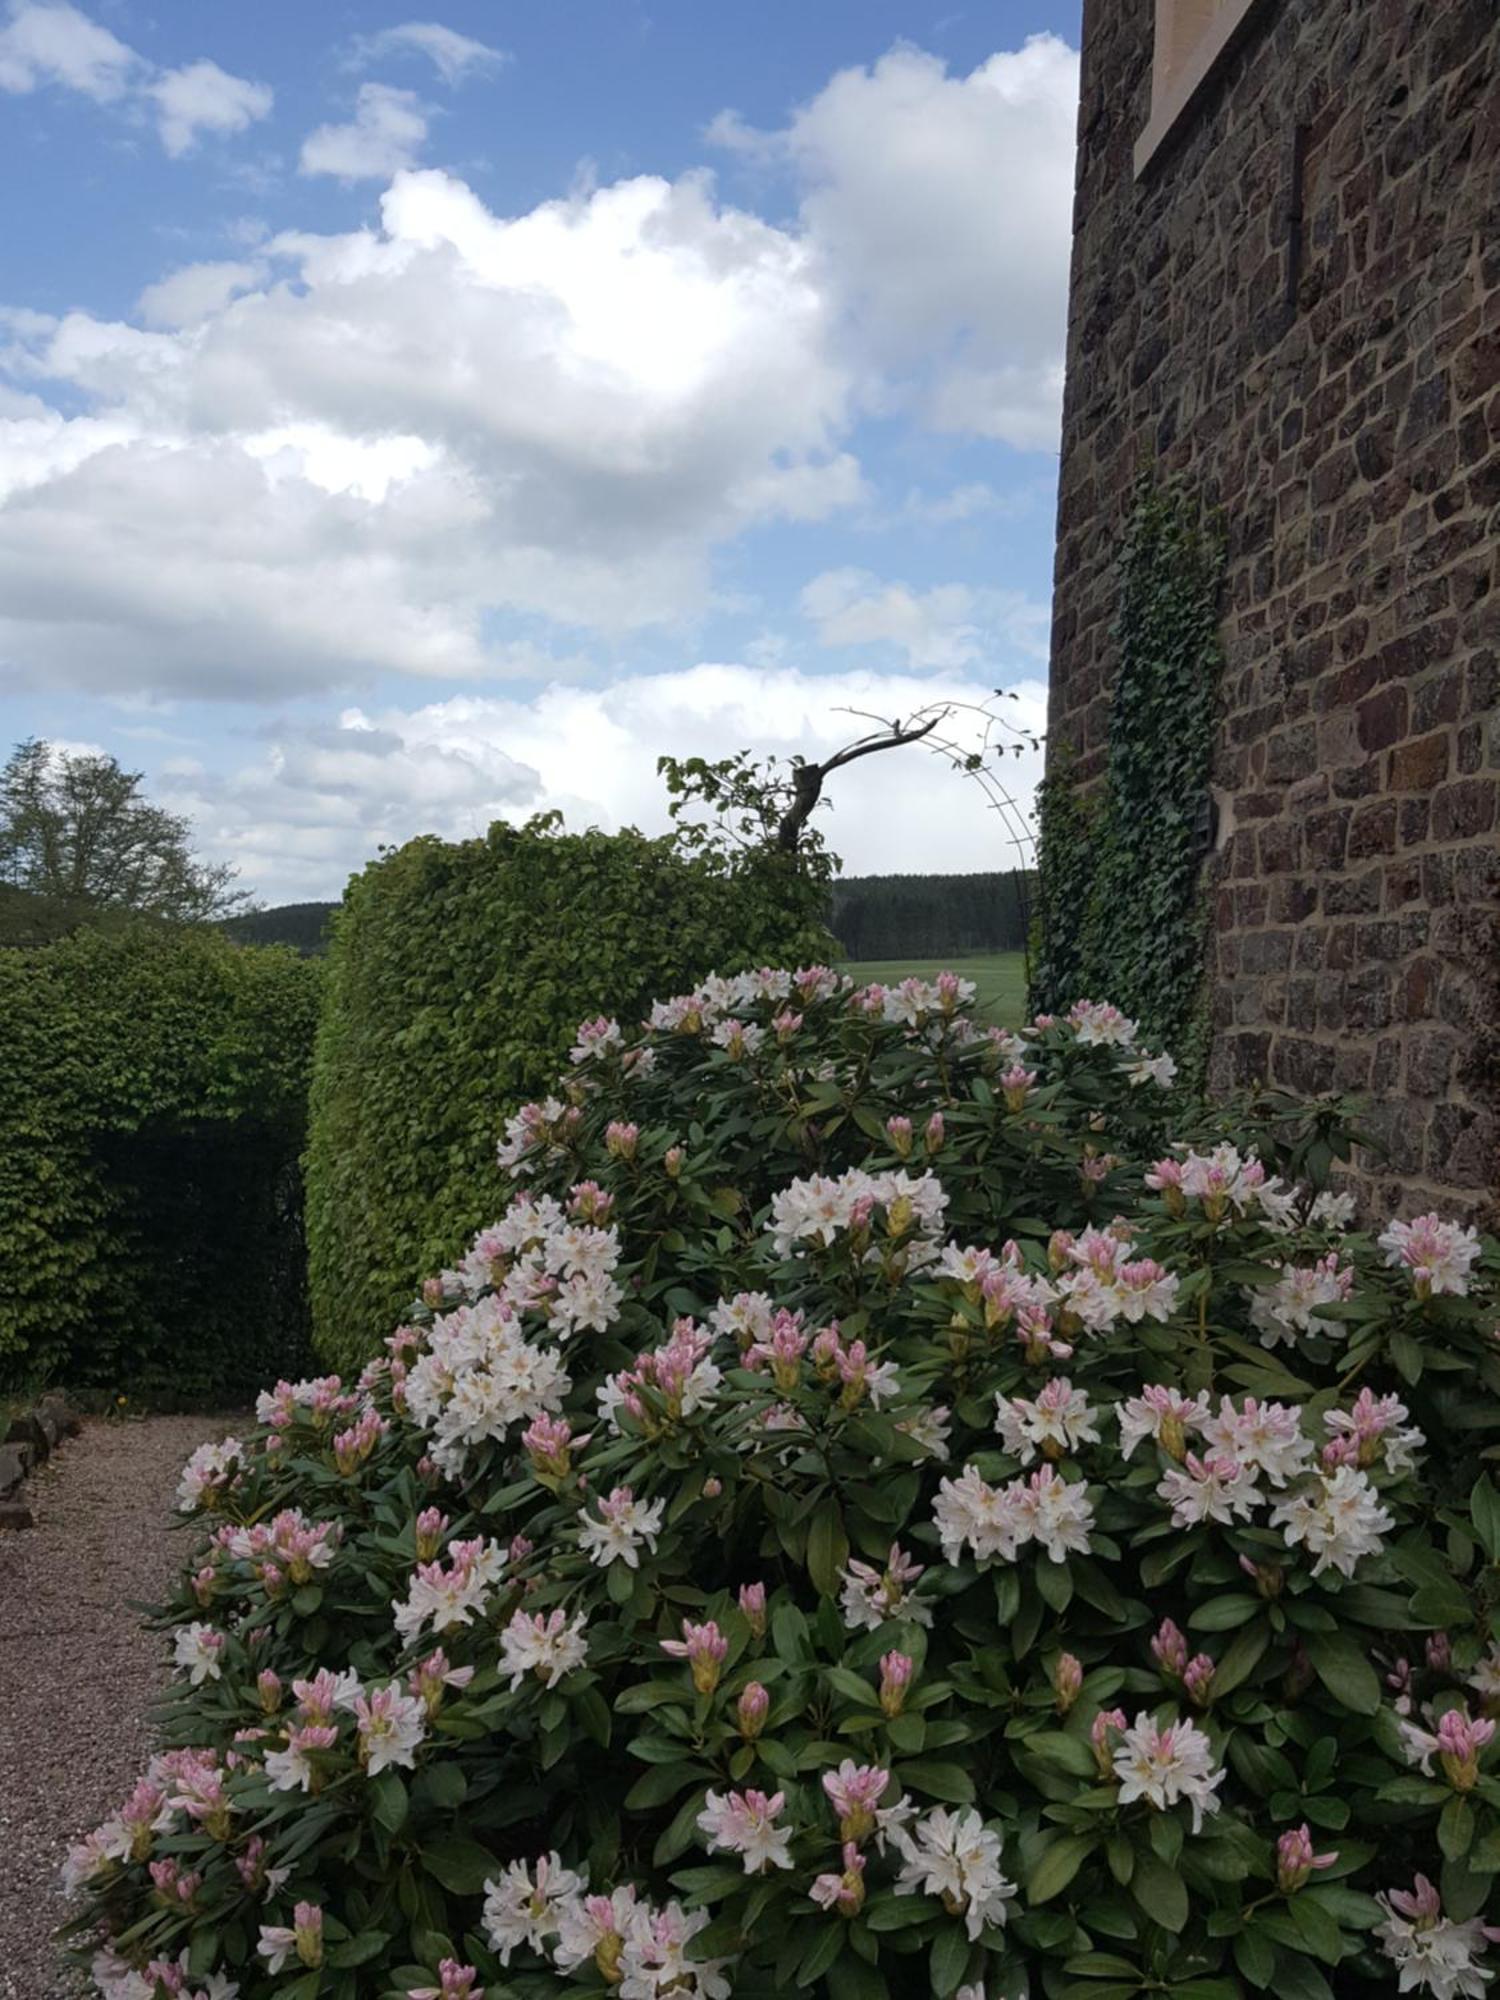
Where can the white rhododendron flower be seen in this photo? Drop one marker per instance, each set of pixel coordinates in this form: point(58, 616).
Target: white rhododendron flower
point(1059, 1420)
point(1165, 1763)
point(522, 1906)
point(745, 1823)
point(623, 1526)
point(197, 1651)
point(1438, 1254)
point(548, 1646)
point(956, 1858)
point(1338, 1517)
point(207, 1472)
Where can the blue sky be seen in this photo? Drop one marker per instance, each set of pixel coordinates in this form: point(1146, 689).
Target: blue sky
point(407, 418)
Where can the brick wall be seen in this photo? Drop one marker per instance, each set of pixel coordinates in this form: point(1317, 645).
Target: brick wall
point(1339, 397)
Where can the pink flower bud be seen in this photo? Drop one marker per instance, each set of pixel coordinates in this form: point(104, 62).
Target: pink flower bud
point(1295, 1859)
point(1197, 1678)
point(1439, 1652)
point(753, 1605)
point(672, 1160)
point(933, 1137)
point(1067, 1681)
point(898, 1131)
point(751, 1710)
point(896, 1670)
point(268, 1688)
point(1102, 1730)
point(1169, 1650)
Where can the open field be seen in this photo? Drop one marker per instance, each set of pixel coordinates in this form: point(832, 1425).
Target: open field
point(1000, 977)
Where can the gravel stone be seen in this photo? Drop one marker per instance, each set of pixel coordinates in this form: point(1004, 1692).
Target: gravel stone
point(78, 1674)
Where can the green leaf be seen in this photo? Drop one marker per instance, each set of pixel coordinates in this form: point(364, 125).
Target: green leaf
point(1456, 1828)
point(949, 1782)
point(949, 1959)
point(359, 1950)
point(1344, 1671)
point(1484, 1507)
point(1255, 1956)
point(1160, 1891)
point(460, 1864)
point(1059, 1863)
point(1241, 1657)
point(388, 1800)
point(1054, 1582)
point(1223, 1614)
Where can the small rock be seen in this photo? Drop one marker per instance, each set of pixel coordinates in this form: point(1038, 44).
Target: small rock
point(57, 1407)
point(15, 1514)
point(15, 1463)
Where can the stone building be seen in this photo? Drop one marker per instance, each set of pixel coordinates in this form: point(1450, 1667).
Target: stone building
point(1286, 292)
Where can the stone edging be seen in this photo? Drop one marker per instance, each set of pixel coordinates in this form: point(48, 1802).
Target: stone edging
point(31, 1439)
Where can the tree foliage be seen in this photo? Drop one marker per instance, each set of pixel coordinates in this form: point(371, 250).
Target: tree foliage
point(153, 1087)
point(78, 842)
point(929, 916)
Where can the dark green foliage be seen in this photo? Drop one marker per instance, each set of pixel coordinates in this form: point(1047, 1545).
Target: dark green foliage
point(1122, 902)
point(456, 978)
point(152, 1092)
point(924, 916)
point(304, 926)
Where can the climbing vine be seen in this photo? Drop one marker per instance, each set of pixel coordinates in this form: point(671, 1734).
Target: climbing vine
point(1123, 907)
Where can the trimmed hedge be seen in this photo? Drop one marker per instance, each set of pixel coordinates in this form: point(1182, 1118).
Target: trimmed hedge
point(153, 1087)
point(456, 979)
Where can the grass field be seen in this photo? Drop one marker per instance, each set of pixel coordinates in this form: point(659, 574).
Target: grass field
point(1000, 977)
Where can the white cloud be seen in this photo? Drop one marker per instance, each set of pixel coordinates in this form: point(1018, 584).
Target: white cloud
point(43, 44)
point(949, 626)
point(388, 132)
point(195, 292)
point(201, 97)
point(322, 798)
point(389, 451)
point(940, 208)
point(453, 55)
point(459, 415)
point(55, 43)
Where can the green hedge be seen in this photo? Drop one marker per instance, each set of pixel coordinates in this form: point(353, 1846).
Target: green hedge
point(456, 977)
point(152, 1112)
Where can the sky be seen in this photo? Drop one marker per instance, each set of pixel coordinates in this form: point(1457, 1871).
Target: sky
point(412, 420)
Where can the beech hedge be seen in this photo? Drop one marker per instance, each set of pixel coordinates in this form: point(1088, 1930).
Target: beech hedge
point(153, 1084)
point(456, 975)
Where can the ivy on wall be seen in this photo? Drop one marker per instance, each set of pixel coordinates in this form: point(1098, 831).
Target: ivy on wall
point(1123, 910)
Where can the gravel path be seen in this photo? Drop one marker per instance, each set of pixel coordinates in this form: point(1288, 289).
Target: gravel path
point(77, 1674)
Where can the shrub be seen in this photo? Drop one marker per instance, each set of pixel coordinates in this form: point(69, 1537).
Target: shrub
point(153, 1087)
point(871, 1517)
point(456, 975)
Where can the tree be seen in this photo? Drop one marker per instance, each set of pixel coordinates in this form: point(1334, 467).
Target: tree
point(79, 842)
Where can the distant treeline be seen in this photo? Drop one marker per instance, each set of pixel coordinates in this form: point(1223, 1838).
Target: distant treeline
point(304, 925)
point(873, 916)
point(927, 916)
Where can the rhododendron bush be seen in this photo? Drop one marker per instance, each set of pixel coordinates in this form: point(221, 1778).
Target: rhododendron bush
point(886, 1509)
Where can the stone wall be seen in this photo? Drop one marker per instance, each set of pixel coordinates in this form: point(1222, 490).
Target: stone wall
point(1297, 310)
